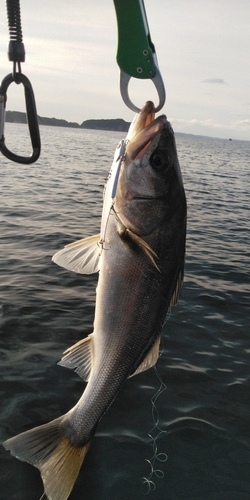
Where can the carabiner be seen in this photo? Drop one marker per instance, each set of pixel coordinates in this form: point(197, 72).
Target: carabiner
point(32, 119)
point(159, 85)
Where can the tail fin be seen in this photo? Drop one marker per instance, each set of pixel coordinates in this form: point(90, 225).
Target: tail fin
point(46, 448)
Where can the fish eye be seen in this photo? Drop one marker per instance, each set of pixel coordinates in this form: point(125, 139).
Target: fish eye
point(159, 161)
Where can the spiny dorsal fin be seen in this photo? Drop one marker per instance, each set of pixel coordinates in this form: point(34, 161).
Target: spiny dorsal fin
point(143, 245)
point(82, 256)
point(150, 359)
point(79, 357)
point(178, 287)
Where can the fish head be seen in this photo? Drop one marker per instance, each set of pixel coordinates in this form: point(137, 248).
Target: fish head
point(150, 178)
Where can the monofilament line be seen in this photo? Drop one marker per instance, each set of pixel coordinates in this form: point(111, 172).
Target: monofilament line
point(43, 496)
point(155, 433)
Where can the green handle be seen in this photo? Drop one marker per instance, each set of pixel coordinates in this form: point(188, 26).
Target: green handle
point(135, 52)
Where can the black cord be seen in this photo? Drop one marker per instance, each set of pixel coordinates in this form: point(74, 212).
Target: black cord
point(16, 50)
point(16, 54)
point(14, 20)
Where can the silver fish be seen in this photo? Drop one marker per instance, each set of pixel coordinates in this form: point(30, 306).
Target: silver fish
point(140, 256)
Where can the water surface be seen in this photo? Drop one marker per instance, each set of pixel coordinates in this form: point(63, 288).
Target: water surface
point(204, 410)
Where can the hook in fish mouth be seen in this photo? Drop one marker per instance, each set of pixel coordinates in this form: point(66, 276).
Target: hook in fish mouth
point(143, 129)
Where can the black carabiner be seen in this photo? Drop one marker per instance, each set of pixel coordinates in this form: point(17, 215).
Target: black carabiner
point(31, 114)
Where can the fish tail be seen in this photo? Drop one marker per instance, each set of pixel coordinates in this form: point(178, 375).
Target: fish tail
point(58, 461)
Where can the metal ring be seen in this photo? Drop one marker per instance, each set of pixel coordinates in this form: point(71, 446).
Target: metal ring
point(157, 81)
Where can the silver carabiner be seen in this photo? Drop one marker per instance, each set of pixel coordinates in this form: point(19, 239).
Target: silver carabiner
point(159, 85)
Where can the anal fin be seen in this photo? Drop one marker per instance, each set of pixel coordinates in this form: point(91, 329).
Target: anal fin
point(79, 357)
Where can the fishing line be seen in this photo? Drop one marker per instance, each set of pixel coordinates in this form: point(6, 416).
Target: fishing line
point(155, 433)
point(43, 496)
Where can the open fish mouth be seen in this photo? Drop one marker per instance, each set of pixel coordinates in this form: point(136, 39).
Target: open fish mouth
point(143, 130)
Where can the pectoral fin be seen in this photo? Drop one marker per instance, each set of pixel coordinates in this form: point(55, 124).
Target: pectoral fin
point(150, 359)
point(143, 245)
point(82, 256)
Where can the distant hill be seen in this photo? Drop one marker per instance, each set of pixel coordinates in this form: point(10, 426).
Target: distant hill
point(112, 124)
point(18, 117)
point(117, 124)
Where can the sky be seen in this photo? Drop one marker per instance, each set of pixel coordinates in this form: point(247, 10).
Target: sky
point(202, 47)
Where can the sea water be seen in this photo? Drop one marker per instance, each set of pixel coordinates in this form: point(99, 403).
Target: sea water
point(203, 419)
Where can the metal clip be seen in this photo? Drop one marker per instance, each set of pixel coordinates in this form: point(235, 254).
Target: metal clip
point(136, 54)
point(159, 85)
point(31, 118)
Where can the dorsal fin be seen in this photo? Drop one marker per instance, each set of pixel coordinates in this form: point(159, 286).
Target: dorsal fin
point(150, 359)
point(82, 256)
point(178, 287)
point(79, 357)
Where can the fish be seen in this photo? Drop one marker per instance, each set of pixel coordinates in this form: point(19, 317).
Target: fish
point(139, 255)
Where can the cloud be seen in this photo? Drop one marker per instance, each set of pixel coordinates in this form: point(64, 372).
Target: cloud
point(210, 127)
point(216, 81)
point(241, 124)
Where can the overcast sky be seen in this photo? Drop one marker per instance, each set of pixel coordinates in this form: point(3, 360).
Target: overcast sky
point(203, 50)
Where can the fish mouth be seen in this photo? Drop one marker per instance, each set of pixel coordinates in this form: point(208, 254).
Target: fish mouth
point(143, 129)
